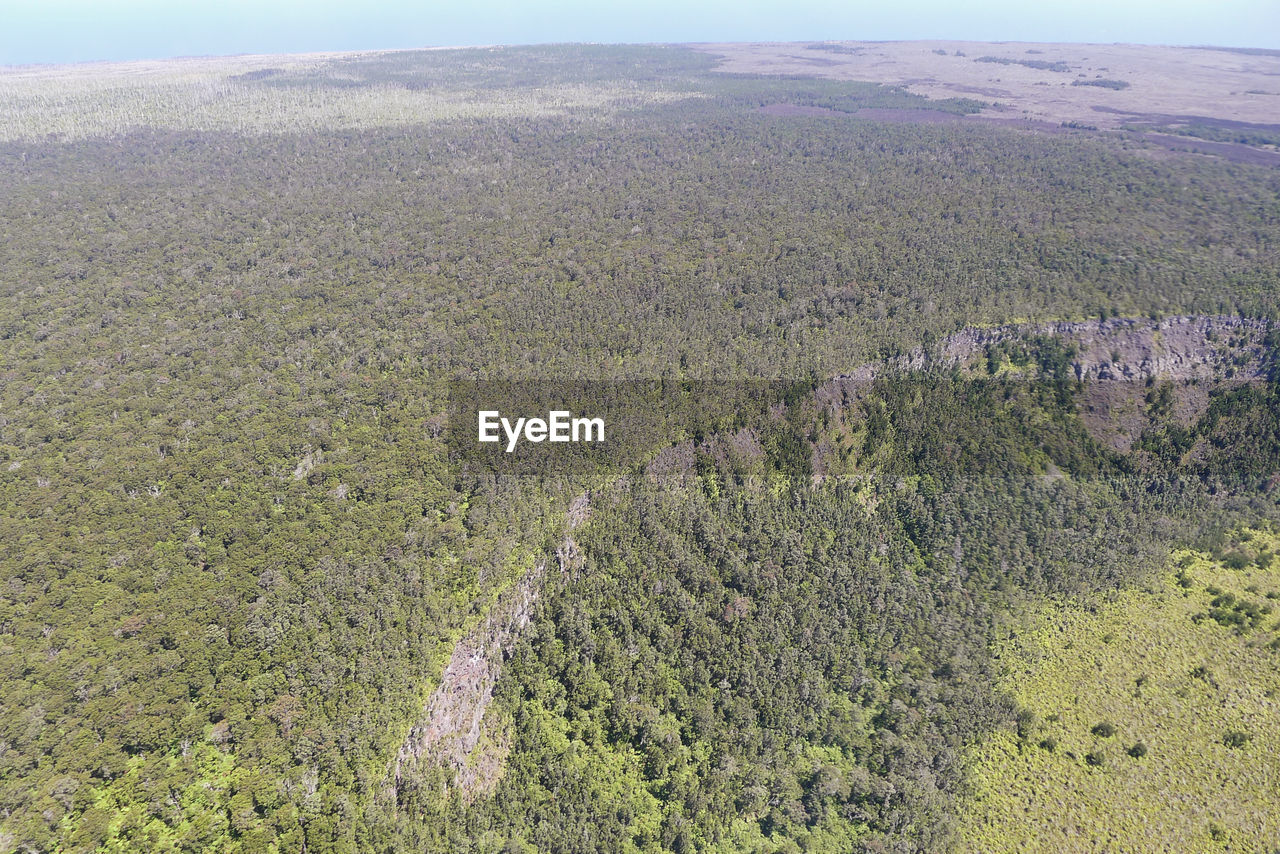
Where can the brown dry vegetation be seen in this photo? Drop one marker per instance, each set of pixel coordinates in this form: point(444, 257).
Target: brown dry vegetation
point(224, 94)
point(1168, 81)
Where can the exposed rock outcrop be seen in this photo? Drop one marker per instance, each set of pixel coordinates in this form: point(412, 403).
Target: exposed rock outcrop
point(1117, 359)
point(452, 727)
point(1118, 349)
point(454, 732)
point(1178, 348)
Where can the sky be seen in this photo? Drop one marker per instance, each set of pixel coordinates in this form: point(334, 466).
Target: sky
point(33, 31)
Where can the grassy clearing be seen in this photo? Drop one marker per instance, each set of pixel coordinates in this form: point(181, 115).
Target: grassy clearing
point(1150, 720)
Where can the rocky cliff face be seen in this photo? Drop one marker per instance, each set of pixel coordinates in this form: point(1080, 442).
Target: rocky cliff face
point(1119, 349)
point(453, 732)
point(1128, 349)
point(1116, 359)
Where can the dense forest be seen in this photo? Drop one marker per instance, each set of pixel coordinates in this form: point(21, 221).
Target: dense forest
point(236, 553)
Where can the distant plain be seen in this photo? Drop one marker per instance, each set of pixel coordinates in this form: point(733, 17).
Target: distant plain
point(1044, 82)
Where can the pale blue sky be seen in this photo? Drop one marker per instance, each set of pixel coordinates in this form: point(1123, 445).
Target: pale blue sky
point(74, 30)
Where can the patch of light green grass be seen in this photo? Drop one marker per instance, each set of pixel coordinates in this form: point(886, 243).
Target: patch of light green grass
point(1201, 695)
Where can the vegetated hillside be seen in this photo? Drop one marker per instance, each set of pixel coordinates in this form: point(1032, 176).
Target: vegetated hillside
point(1147, 720)
point(236, 561)
point(745, 662)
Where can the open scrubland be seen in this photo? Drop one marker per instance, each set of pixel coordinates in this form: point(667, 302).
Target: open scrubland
point(1097, 84)
point(303, 93)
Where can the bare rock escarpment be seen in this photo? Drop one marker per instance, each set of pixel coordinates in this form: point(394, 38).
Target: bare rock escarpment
point(1128, 349)
point(1118, 360)
point(454, 733)
point(451, 732)
point(1118, 349)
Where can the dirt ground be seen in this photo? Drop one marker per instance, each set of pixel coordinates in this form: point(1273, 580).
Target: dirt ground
point(1164, 82)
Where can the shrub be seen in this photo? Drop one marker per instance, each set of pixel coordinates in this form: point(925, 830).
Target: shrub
point(1229, 611)
point(1050, 744)
point(1236, 560)
point(1236, 739)
point(1094, 759)
point(1138, 751)
point(1026, 723)
point(1103, 84)
point(1106, 729)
